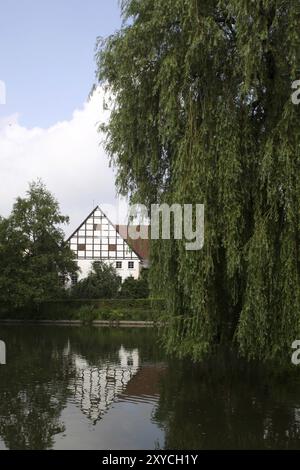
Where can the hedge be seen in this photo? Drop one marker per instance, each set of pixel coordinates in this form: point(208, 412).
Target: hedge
point(100, 309)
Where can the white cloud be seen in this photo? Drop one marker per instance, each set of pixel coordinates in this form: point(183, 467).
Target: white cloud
point(68, 157)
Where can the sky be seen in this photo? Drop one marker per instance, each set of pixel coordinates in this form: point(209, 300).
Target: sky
point(48, 127)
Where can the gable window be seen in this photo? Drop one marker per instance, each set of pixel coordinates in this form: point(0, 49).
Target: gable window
point(119, 264)
point(81, 247)
point(97, 227)
point(112, 247)
point(130, 264)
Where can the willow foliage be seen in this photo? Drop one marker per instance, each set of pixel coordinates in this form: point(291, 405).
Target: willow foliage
point(203, 114)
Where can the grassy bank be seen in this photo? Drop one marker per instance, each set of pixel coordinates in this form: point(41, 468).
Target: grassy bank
point(88, 311)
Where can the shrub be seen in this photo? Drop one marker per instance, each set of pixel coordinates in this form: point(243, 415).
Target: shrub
point(101, 283)
point(135, 288)
point(87, 313)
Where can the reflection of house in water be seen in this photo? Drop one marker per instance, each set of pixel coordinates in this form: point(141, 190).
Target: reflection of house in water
point(144, 386)
point(96, 388)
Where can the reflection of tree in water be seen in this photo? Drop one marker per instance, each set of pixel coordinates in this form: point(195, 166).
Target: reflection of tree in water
point(104, 370)
point(223, 403)
point(233, 405)
point(33, 388)
point(96, 388)
point(48, 365)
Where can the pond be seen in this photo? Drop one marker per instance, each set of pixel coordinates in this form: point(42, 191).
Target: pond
point(107, 388)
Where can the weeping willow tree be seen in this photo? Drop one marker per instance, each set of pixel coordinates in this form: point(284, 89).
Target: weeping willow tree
point(202, 113)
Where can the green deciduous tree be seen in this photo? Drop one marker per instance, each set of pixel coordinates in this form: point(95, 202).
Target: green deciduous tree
point(202, 113)
point(101, 283)
point(136, 288)
point(33, 254)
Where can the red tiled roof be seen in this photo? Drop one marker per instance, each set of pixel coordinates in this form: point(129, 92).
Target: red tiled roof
point(140, 246)
point(146, 381)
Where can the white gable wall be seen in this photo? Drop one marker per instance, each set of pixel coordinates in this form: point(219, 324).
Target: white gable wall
point(98, 240)
point(125, 272)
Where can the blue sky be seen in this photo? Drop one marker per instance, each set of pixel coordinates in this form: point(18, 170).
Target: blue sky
point(47, 55)
point(48, 128)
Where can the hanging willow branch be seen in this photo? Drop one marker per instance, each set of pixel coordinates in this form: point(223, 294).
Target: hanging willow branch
point(203, 114)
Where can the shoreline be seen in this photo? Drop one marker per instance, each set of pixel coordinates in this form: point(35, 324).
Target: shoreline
point(113, 323)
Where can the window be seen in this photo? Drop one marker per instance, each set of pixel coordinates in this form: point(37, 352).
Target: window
point(112, 247)
point(119, 264)
point(74, 279)
point(81, 247)
point(97, 227)
point(130, 264)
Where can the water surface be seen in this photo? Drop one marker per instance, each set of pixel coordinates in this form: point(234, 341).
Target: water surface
point(107, 388)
